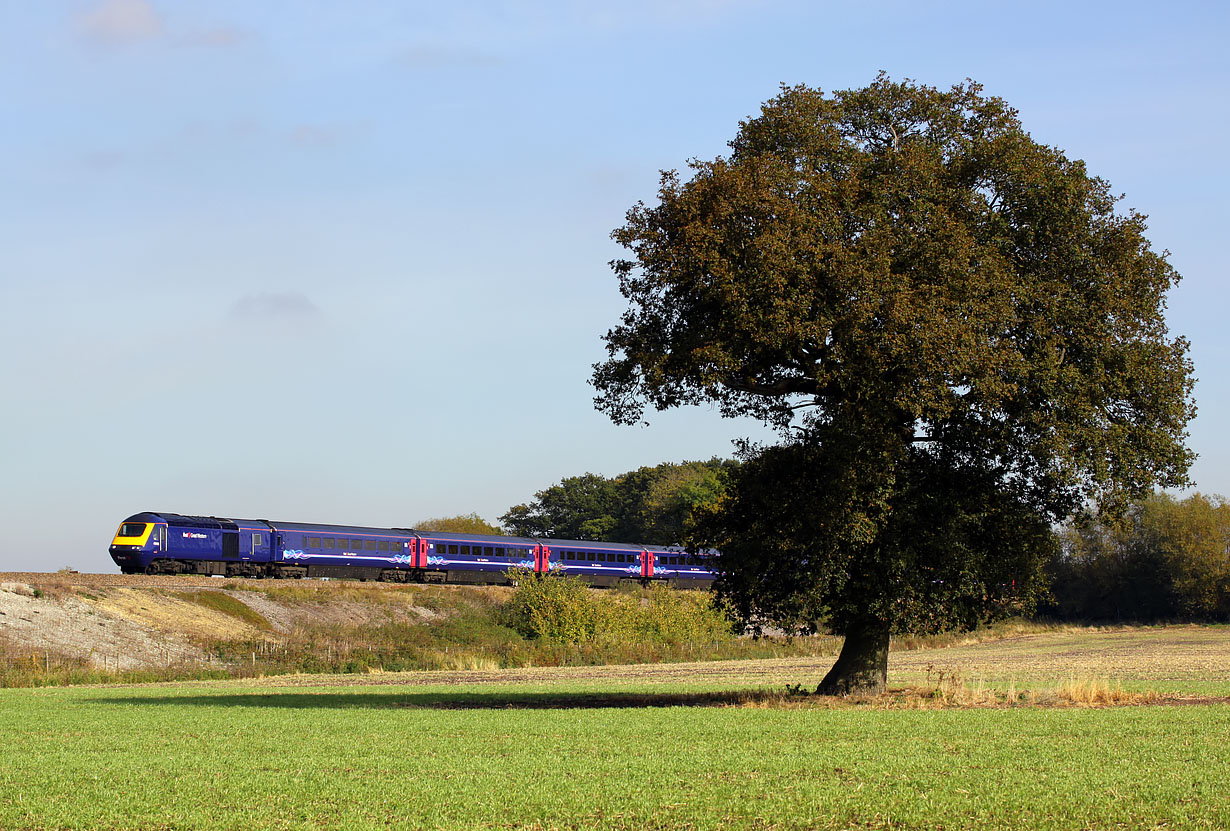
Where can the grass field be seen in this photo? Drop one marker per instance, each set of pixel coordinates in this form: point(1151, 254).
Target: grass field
point(681, 746)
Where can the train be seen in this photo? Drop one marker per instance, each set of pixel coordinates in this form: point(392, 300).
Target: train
point(164, 543)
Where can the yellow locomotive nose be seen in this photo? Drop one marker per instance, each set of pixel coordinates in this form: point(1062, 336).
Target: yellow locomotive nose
point(133, 533)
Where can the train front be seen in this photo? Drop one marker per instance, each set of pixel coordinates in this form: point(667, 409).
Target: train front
point(137, 542)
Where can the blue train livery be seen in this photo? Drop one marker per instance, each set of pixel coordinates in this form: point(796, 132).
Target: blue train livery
point(163, 543)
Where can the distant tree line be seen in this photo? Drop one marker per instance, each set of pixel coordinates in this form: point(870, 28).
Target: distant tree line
point(1169, 559)
point(650, 505)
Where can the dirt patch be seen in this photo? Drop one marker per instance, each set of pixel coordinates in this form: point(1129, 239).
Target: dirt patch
point(127, 622)
point(74, 626)
point(169, 614)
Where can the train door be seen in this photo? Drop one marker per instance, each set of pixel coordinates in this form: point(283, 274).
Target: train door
point(646, 563)
point(259, 547)
point(542, 557)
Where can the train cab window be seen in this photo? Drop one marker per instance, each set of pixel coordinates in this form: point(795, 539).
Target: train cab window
point(313, 542)
point(132, 529)
point(383, 545)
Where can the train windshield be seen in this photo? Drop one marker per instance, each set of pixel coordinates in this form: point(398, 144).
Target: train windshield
point(131, 529)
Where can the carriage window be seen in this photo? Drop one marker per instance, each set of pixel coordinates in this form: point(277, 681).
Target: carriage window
point(465, 551)
point(356, 544)
point(452, 549)
point(313, 542)
point(370, 545)
point(499, 552)
point(601, 557)
point(328, 542)
point(383, 545)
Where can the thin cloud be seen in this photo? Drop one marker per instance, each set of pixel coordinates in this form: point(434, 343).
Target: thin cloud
point(121, 21)
point(279, 306)
point(126, 22)
point(317, 135)
point(104, 159)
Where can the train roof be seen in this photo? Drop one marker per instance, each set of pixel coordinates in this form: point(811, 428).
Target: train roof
point(191, 521)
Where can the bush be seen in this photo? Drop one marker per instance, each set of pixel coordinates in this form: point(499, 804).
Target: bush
point(551, 608)
point(564, 610)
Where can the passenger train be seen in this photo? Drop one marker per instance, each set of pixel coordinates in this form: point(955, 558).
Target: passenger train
point(162, 543)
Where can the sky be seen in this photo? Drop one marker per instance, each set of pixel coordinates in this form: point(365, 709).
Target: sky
point(348, 262)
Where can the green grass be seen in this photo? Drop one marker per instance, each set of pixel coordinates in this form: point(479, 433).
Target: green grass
point(560, 752)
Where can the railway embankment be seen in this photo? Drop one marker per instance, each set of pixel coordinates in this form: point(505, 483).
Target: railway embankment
point(126, 622)
point(84, 628)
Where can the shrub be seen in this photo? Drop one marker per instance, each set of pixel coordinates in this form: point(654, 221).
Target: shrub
point(557, 609)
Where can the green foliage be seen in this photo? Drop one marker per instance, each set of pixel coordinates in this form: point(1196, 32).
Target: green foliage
point(564, 610)
point(1168, 559)
point(470, 523)
point(578, 508)
point(806, 540)
point(558, 609)
point(925, 301)
point(650, 505)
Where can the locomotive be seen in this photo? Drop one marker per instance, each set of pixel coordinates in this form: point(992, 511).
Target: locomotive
point(162, 543)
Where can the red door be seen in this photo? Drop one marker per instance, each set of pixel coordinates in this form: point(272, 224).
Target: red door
point(542, 559)
point(646, 564)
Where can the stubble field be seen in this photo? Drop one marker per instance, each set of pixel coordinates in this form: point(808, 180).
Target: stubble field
point(994, 735)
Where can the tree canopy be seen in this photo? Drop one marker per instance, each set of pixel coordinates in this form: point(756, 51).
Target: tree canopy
point(470, 523)
point(650, 505)
point(957, 335)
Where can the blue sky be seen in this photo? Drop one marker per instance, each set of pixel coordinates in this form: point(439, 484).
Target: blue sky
point(348, 262)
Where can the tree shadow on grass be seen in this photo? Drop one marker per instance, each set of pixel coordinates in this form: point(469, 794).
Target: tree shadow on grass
point(456, 701)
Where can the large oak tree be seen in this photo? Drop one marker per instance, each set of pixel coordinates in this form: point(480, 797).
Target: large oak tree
point(958, 336)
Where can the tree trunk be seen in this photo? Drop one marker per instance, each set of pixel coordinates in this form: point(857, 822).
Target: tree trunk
point(862, 666)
